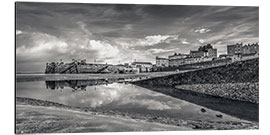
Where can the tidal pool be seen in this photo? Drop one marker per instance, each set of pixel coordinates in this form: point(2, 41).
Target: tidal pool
point(121, 97)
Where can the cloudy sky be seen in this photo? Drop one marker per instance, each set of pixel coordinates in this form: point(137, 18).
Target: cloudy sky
point(116, 34)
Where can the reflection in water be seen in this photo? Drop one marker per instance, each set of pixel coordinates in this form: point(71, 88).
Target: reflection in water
point(243, 110)
point(121, 97)
point(76, 85)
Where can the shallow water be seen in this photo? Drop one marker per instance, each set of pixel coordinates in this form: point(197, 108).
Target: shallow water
point(121, 97)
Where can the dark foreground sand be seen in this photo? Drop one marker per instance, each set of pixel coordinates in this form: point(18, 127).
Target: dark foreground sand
point(38, 119)
point(37, 116)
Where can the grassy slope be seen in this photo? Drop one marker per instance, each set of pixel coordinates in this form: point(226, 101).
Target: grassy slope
point(237, 91)
point(245, 71)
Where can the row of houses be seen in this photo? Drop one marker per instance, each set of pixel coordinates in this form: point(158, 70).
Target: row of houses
point(135, 67)
point(235, 52)
point(239, 52)
point(239, 48)
point(203, 53)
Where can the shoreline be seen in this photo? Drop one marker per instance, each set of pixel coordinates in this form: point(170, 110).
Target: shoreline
point(240, 109)
point(40, 119)
point(171, 122)
point(110, 77)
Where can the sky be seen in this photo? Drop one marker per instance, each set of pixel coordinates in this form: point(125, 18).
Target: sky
point(121, 33)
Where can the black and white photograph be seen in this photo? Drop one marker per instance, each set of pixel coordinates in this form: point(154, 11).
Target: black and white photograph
point(109, 67)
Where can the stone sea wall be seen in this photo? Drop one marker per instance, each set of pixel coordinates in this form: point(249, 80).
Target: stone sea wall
point(70, 68)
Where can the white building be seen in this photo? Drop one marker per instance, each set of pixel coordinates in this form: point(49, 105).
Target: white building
point(162, 62)
point(142, 66)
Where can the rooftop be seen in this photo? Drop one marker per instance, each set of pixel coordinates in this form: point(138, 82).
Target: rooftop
point(149, 63)
point(178, 54)
point(161, 58)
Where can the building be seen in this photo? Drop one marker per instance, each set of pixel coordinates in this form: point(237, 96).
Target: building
point(234, 49)
point(212, 53)
point(250, 49)
point(239, 52)
point(127, 70)
point(178, 56)
point(176, 62)
point(142, 66)
point(242, 49)
point(188, 60)
point(177, 59)
point(162, 62)
point(196, 54)
point(204, 51)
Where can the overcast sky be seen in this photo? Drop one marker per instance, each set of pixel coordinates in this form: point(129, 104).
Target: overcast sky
point(116, 34)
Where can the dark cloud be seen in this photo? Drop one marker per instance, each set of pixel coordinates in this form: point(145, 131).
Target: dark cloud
point(172, 11)
point(124, 32)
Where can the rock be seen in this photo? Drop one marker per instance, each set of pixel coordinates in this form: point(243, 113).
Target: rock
point(197, 127)
point(203, 110)
point(219, 115)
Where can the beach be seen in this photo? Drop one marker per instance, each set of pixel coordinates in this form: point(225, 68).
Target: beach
point(37, 116)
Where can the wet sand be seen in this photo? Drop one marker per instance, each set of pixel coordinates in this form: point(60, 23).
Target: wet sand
point(37, 116)
point(38, 119)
